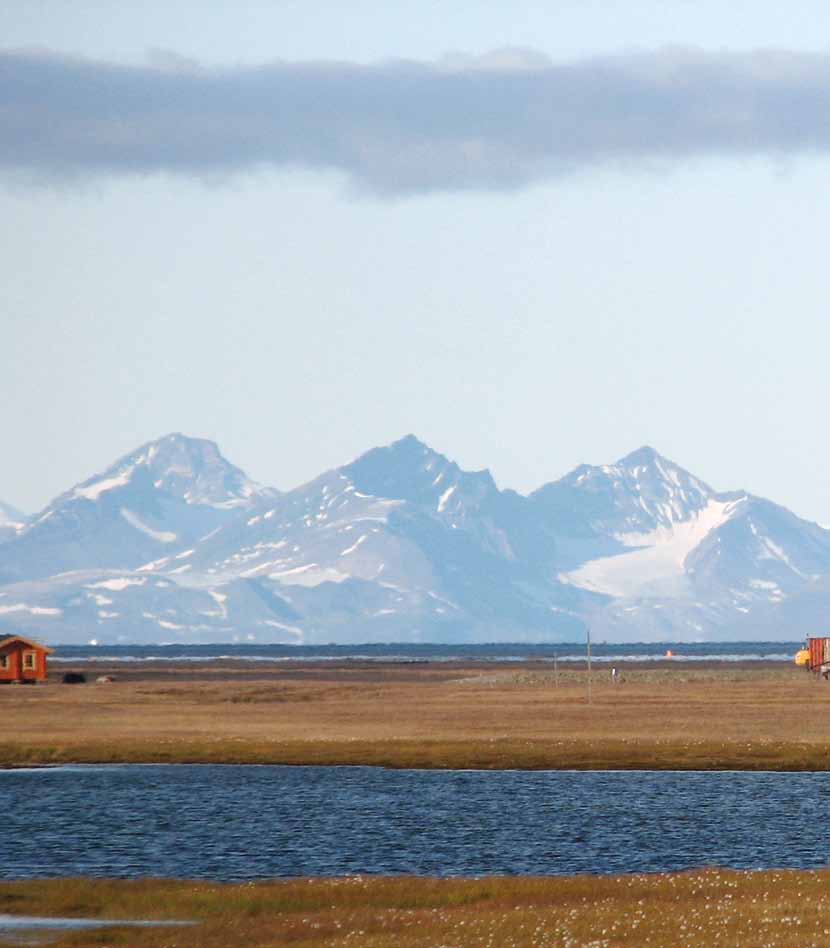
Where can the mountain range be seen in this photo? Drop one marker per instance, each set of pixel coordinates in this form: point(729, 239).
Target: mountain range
point(173, 543)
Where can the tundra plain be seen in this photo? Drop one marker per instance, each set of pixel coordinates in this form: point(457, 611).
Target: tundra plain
point(672, 714)
point(663, 715)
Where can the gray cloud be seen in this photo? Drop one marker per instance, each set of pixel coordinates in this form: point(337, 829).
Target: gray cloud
point(500, 121)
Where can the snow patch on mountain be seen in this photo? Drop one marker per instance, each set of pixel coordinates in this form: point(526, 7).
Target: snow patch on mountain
point(92, 491)
point(163, 536)
point(361, 539)
point(655, 565)
point(309, 575)
point(772, 551)
point(291, 629)
point(444, 498)
point(117, 585)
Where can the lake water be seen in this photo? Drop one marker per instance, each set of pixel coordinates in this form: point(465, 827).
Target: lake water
point(246, 822)
point(36, 930)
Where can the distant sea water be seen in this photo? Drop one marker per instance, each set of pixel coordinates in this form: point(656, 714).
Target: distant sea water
point(431, 652)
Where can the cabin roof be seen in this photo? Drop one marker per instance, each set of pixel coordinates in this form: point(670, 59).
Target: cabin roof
point(11, 639)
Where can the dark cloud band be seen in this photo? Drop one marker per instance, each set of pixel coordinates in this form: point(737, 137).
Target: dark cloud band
point(405, 127)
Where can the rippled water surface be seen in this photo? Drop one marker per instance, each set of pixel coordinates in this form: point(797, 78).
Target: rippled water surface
point(246, 822)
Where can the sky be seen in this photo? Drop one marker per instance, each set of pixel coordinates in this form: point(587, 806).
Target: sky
point(534, 236)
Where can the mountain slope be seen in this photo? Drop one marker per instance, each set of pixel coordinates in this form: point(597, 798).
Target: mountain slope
point(163, 496)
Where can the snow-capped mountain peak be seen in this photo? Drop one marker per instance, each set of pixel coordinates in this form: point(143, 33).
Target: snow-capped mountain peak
point(191, 469)
point(159, 498)
point(411, 471)
point(663, 490)
point(638, 494)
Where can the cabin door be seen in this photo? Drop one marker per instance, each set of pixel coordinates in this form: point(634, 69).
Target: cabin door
point(27, 664)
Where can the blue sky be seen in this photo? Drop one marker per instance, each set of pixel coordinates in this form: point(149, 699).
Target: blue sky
point(520, 306)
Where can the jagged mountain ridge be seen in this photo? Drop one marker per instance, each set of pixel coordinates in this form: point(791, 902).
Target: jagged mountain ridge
point(641, 492)
point(439, 548)
point(174, 543)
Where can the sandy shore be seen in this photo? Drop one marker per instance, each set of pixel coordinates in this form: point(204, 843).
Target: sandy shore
point(662, 715)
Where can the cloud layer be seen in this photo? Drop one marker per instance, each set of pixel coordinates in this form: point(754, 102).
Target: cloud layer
point(505, 120)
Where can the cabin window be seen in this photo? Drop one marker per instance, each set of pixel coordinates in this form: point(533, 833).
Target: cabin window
point(29, 660)
point(5, 663)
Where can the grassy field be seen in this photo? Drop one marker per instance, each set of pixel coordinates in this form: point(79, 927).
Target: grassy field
point(711, 907)
point(671, 716)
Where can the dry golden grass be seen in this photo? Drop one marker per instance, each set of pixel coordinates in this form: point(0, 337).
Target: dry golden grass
point(674, 716)
point(708, 907)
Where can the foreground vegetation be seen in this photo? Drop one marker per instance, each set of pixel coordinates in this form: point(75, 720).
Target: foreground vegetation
point(496, 754)
point(711, 907)
point(671, 717)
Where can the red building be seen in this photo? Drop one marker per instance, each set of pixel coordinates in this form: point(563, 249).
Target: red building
point(22, 660)
point(816, 656)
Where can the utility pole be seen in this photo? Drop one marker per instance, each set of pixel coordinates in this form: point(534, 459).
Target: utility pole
point(588, 648)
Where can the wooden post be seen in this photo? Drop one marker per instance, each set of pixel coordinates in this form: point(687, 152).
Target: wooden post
point(556, 669)
point(588, 647)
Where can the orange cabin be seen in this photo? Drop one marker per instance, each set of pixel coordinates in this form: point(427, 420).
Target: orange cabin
point(22, 660)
